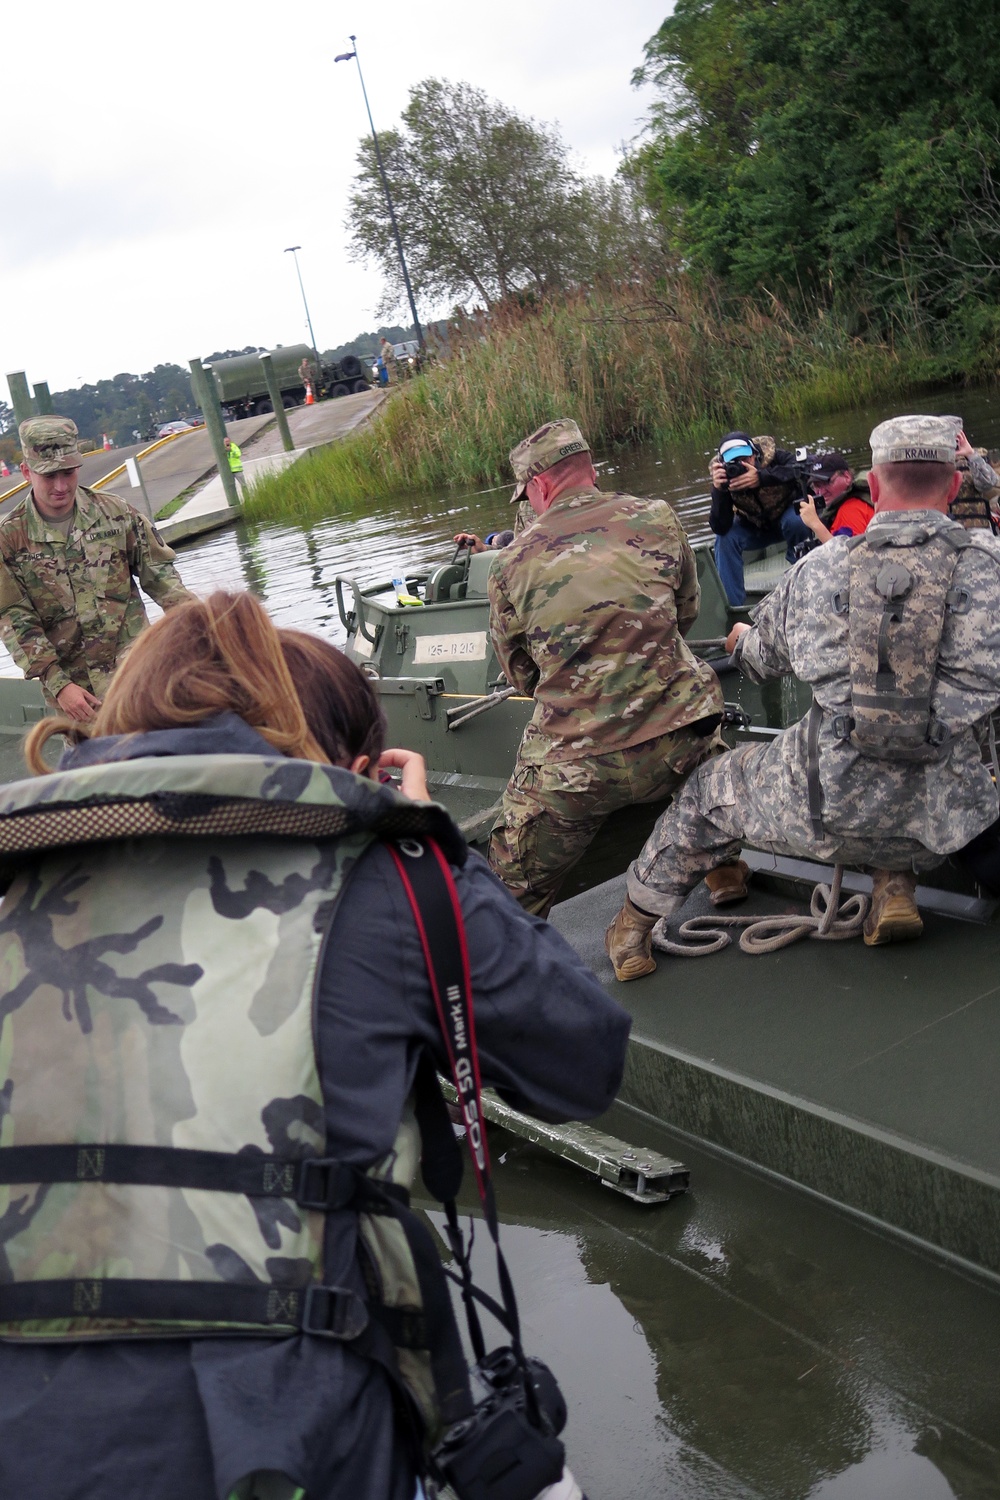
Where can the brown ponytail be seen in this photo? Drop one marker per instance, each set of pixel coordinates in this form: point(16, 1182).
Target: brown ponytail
point(203, 657)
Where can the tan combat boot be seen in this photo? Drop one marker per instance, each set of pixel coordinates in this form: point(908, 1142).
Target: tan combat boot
point(627, 942)
point(893, 917)
point(728, 883)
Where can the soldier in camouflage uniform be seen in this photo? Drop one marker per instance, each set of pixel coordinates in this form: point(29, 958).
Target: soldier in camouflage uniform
point(69, 607)
point(813, 793)
point(980, 484)
point(588, 610)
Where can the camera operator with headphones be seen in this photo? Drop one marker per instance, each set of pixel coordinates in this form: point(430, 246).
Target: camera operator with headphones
point(754, 489)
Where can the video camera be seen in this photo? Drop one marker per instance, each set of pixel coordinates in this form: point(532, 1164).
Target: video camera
point(802, 469)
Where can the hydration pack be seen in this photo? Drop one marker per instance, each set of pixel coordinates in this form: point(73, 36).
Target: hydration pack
point(900, 589)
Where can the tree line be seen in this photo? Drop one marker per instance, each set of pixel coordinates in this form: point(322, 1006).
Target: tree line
point(130, 408)
point(839, 155)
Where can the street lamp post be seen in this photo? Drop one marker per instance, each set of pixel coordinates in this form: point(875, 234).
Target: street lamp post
point(346, 57)
point(290, 250)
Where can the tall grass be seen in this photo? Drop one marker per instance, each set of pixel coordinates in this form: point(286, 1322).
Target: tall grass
point(629, 363)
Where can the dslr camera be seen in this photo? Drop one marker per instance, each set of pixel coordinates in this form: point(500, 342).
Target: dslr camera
point(499, 1453)
point(733, 456)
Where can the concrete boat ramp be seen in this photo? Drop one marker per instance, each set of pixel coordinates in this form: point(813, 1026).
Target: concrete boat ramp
point(866, 1076)
point(185, 462)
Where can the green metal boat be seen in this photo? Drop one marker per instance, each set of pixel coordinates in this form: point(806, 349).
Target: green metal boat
point(867, 1076)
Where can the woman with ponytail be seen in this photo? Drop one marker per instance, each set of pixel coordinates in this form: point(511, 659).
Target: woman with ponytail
point(213, 992)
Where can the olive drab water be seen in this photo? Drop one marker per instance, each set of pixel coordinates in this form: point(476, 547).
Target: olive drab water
point(900, 588)
point(158, 991)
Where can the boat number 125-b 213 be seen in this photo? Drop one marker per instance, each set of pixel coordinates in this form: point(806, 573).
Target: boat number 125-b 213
point(468, 647)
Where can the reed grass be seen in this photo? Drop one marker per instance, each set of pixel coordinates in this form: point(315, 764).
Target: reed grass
point(630, 364)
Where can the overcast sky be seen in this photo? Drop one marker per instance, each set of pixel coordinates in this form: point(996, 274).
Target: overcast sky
point(159, 158)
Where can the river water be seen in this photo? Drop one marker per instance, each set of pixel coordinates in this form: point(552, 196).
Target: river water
point(293, 567)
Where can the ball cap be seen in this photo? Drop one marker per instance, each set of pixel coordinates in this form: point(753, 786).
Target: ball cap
point(50, 444)
point(548, 446)
point(736, 445)
point(917, 439)
point(825, 465)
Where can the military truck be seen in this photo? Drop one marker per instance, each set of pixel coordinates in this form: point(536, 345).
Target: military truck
point(243, 390)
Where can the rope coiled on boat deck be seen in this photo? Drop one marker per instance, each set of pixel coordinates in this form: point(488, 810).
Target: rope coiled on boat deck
point(830, 919)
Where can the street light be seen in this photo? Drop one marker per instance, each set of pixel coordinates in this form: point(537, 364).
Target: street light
point(346, 57)
point(290, 250)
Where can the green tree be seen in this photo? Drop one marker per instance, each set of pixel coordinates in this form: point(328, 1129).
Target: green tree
point(487, 202)
point(847, 149)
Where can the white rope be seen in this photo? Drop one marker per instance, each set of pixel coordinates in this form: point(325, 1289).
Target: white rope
point(465, 711)
point(829, 919)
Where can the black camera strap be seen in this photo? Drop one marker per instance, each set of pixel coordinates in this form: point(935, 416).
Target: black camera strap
point(430, 890)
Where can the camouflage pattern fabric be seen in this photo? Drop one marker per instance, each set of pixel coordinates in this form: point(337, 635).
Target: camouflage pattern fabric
point(588, 609)
point(69, 606)
point(919, 438)
point(49, 444)
point(545, 448)
point(551, 812)
point(898, 598)
point(894, 815)
point(764, 506)
point(980, 484)
point(159, 991)
point(744, 797)
point(524, 517)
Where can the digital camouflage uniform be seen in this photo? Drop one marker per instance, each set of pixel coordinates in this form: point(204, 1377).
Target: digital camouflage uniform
point(889, 814)
point(588, 609)
point(980, 485)
point(69, 606)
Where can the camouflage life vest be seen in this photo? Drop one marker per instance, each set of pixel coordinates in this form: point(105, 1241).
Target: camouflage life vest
point(764, 506)
point(162, 1141)
point(900, 587)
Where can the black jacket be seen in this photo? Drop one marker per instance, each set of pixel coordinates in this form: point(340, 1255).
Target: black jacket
point(173, 1417)
point(777, 479)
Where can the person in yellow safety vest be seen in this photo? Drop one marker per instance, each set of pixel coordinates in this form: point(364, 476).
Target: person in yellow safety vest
point(235, 457)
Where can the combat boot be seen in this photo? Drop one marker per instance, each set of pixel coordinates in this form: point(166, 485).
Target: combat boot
point(627, 942)
point(728, 883)
point(893, 916)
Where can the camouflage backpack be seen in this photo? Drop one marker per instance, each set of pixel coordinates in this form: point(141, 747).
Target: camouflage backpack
point(163, 1165)
point(900, 589)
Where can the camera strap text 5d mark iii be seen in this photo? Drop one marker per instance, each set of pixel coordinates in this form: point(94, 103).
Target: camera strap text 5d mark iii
point(507, 1449)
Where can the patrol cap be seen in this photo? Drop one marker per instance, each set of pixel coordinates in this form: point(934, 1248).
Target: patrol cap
point(50, 443)
point(917, 439)
point(548, 446)
point(825, 465)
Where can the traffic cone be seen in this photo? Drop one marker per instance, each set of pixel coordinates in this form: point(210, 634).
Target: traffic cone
point(107, 442)
point(310, 398)
point(4, 469)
